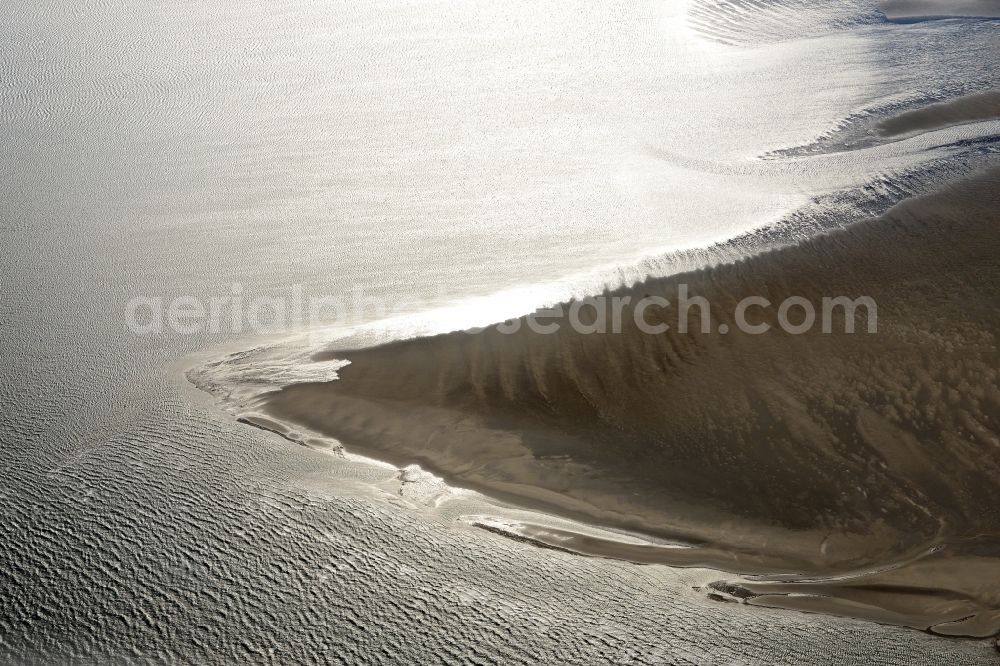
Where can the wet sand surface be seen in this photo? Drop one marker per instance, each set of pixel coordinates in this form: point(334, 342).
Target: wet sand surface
point(858, 469)
point(175, 151)
point(968, 109)
point(908, 10)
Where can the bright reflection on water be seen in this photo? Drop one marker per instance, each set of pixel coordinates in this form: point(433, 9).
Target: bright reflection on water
point(436, 152)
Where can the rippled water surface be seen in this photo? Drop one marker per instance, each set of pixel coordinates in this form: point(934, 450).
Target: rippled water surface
point(431, 152)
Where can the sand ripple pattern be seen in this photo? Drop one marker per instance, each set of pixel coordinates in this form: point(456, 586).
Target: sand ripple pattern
point(758, 22)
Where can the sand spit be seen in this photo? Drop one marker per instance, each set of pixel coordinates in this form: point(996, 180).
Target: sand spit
point(293, 436)
point(832, 453)
point(955, 602)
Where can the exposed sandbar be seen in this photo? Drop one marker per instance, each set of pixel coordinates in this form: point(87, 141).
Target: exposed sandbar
point(831, 452)
point(914, 10)
point(968, 109)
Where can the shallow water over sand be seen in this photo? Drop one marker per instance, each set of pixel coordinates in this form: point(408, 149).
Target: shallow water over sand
point(175, 150)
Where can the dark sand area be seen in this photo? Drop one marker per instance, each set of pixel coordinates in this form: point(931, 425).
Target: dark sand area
point(967, 109)
point(910, 10)
point(868, 458)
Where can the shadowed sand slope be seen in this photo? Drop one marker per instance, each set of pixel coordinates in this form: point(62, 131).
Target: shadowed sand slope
point(816, 453)
point(903, 10)
point(971, 108)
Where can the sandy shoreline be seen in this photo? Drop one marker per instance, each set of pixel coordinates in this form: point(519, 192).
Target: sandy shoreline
point(829, 453)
